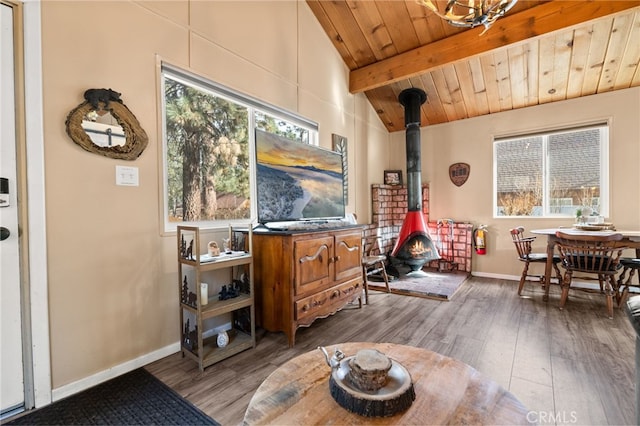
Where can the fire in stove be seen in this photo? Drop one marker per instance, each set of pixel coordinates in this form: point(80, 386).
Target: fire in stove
point(417, 248)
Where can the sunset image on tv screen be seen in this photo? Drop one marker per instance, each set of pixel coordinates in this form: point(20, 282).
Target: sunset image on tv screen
point(297, 180)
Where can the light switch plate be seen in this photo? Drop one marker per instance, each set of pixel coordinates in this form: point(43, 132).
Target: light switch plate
point(127, 176)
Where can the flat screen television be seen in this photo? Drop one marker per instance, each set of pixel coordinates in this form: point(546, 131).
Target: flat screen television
point(297, 181)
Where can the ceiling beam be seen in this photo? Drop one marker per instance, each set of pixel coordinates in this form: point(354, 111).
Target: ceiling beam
point(510, 29)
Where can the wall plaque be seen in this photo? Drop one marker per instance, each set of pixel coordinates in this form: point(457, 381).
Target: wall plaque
point(459, 173)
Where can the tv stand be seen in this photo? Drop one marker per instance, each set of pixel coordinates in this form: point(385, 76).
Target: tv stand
point(301, 276)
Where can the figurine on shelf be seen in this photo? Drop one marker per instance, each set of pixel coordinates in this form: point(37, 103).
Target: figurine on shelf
point(229, 291)
point(223, 295)
point(214, 250)
point(185, 291)
point(244, 284)
point(234, 290)
point(238, 287)
point(242, 320)
point(193, 338)
point(186, 341)
point(192, 300)
point(189, 255)
point(183, 247)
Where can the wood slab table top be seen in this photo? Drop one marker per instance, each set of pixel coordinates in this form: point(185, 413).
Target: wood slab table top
point(447, 391)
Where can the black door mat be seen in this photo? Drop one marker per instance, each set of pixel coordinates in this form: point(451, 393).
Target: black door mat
point(135, 398)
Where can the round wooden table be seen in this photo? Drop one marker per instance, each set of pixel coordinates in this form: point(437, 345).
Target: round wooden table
point(447, 392)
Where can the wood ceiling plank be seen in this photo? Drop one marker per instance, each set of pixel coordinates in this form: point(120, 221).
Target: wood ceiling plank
point(631, 58)
point(546, 58)
point(529, 23)
point(491, 82)
point(533, 71)
point(467, 90)
point(329, 29)
point(578, 69)
point(518, 75)
point(424, 23)
point(398, 22)
point(379, 108)
point(501, 64)
point(455, 92)
point(597, 50)
point(444, 94)
point(373, 28)
point(618, 42)
point(635, 81)
point(433, 107)
point(479, 88)
point(349, 31)
point(562, 48)
point(388, 108)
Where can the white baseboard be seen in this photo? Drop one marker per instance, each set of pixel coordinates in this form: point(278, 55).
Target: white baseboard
point(103, 376)
point(590, 285)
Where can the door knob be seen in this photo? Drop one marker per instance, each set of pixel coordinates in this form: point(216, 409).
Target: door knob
point(4, 233)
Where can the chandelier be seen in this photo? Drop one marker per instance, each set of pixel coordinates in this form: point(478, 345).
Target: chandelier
point(471, 13)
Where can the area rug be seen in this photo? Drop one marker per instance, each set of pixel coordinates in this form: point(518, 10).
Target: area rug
point(135, 398)
point(432, 285)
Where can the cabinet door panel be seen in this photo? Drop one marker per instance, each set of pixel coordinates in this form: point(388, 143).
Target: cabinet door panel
point(348, 255)
point(314, 264)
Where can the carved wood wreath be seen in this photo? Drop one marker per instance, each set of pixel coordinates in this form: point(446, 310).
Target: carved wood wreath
point(136, 137)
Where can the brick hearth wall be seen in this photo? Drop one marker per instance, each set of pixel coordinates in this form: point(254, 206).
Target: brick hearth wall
point(389, 206)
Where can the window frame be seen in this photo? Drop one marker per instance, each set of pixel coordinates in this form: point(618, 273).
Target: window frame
point(604, 199)
point(252, 104)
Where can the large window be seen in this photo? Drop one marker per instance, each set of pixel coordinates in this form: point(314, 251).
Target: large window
point(209, 134)
point(552, 174)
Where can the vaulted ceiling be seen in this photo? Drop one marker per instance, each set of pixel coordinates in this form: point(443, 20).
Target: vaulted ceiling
point(539, 52)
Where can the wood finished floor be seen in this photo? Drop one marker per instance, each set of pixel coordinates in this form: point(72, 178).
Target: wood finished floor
point(568, 367)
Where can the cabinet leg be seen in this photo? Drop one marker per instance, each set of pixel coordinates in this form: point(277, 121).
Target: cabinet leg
point(291, 335)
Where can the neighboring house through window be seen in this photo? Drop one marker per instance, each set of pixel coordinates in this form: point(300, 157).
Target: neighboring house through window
point(208, 151)
point(552, 174)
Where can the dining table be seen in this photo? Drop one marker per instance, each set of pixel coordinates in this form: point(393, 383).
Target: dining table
point(630, 239)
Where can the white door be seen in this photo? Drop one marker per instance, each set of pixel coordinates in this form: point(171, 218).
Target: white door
point(11, 361)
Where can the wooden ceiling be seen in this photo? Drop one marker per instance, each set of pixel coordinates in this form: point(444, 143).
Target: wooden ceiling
point(539, 52)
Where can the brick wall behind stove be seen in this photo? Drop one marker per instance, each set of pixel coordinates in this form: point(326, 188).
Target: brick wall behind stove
point(389, 207)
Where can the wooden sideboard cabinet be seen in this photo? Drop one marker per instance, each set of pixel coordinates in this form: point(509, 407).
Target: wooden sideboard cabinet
point(304, 275)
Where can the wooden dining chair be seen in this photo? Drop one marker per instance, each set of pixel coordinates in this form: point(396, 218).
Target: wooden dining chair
point(597, 255)
point(631, 266)
point(373, 262)
point(525, 255)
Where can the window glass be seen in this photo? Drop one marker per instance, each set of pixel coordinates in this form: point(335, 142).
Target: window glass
point(209, 135)
point(207, 155)
point(553, 174)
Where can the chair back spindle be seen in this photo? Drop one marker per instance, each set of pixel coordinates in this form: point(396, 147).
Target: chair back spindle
point(592, 254)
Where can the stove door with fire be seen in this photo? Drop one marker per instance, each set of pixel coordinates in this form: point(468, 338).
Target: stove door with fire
point(314, 264)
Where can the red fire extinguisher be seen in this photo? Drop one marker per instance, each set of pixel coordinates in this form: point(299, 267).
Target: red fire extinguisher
point(480, 239)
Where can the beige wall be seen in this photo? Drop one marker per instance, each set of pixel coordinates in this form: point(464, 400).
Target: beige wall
point(471, 141)
point(112, 274)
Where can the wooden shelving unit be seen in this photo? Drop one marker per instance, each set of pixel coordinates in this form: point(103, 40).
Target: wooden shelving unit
point(192, 270)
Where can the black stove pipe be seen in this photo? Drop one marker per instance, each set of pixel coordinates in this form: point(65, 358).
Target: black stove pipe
point(411, 100)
